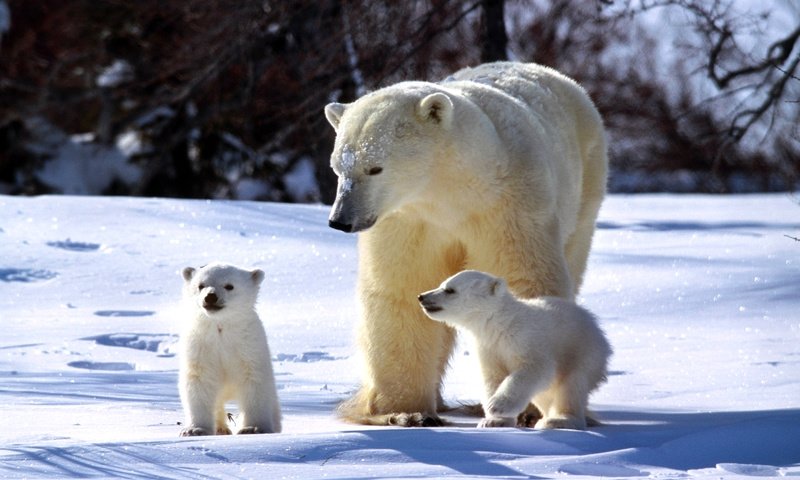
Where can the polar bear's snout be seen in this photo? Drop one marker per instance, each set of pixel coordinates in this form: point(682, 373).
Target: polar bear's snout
point(338, 221)
point(428, 303)
point(339, 218)
point(337, 225)
point(346, 217)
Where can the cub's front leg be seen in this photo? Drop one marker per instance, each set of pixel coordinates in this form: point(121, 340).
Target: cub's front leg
point(514, 394)
point(199, 400)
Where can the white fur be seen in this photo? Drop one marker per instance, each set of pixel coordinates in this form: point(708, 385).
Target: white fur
point(501, 168)
point(547, 350)
point(224, 353)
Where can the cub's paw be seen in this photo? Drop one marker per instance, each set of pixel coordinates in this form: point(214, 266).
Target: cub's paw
point(253, 430)
point(566, 423)
point(501, 406)
point(415, 419)
point(194, 432)
point(497, 422)
point(224, 431)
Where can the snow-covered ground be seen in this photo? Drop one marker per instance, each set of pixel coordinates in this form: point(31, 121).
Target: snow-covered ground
point(699, 296)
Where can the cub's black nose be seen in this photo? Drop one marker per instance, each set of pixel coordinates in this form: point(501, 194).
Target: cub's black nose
point(344, 227)
point(211, 298)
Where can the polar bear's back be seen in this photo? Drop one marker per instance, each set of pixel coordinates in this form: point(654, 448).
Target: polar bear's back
point(540, 88)
point(551, 131)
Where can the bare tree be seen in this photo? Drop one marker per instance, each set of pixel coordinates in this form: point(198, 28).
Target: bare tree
point(224, 90)
point(494, 39)
point(220, 90)
point(754, 62)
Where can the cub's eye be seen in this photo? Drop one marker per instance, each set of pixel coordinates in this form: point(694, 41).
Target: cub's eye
point(229, 287)
point(201, 286)
point(374, 170)
point(449, 291)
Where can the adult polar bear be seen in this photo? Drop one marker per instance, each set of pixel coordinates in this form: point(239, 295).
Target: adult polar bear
point(500, 168)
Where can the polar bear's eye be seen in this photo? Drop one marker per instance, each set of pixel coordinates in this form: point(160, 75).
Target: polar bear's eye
point(229, 287)
point(201, 286)
point(449, 291)
point(374, 170)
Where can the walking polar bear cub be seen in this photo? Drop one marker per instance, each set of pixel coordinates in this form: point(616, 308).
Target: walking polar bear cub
point(546, 350)
point(224, 353)
point(499, 168)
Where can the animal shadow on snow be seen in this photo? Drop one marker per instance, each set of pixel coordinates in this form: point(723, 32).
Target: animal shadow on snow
point(667, 226)
point(679, 441)
point(684, 441)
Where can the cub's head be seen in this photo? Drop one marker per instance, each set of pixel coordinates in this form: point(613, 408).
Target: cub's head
point(463, 298)
point(218, 288)
point(385, 146)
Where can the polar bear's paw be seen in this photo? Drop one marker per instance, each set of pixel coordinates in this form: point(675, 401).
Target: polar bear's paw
point(529, 417)
point(497, 422)
point(253, 430)
point(194, 432)
point(416, 419)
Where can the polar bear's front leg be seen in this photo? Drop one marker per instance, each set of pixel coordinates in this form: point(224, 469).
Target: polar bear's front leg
point(405, 368)
point(537, 266)
point(404, 352)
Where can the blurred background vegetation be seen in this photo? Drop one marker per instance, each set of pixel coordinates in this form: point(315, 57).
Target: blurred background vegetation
point(224, 98)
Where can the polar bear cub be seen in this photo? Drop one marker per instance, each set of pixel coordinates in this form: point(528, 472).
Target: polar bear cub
point(224, 353)
point(547, 350)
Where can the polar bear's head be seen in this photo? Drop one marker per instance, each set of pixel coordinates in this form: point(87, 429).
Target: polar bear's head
point(219, 288)
point(465, 297)
point(385, 145)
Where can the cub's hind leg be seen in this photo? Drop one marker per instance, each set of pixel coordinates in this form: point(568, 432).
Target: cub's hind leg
point(567, 409)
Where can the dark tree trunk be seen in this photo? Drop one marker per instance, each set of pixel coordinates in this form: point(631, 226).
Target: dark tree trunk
point(493, 31)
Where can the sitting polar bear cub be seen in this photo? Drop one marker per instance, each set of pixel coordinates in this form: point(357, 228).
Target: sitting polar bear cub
point(546, 350)
point(224, 353)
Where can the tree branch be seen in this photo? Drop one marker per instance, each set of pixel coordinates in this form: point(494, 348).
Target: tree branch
point(777, 54)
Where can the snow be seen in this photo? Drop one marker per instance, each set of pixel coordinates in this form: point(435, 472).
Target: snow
point(250, 189)
point(347, 166)
point(76, 166)
point(115, 74)
point(5, 18)
point(347, 163)
point(698, 295)
point(301, 181)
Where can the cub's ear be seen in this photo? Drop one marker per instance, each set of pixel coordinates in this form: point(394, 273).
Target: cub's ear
point(334, 112)
point(497, 286)
point(188, 273)
point(437, 108)
point(257, 276)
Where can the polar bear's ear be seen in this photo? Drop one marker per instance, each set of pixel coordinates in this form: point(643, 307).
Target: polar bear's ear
point(436, 107)
point(334, 112)
point(188, 273)
point(257, 276)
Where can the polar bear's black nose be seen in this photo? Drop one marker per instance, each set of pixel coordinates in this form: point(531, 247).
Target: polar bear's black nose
point(345, 227)
point(211, 298)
